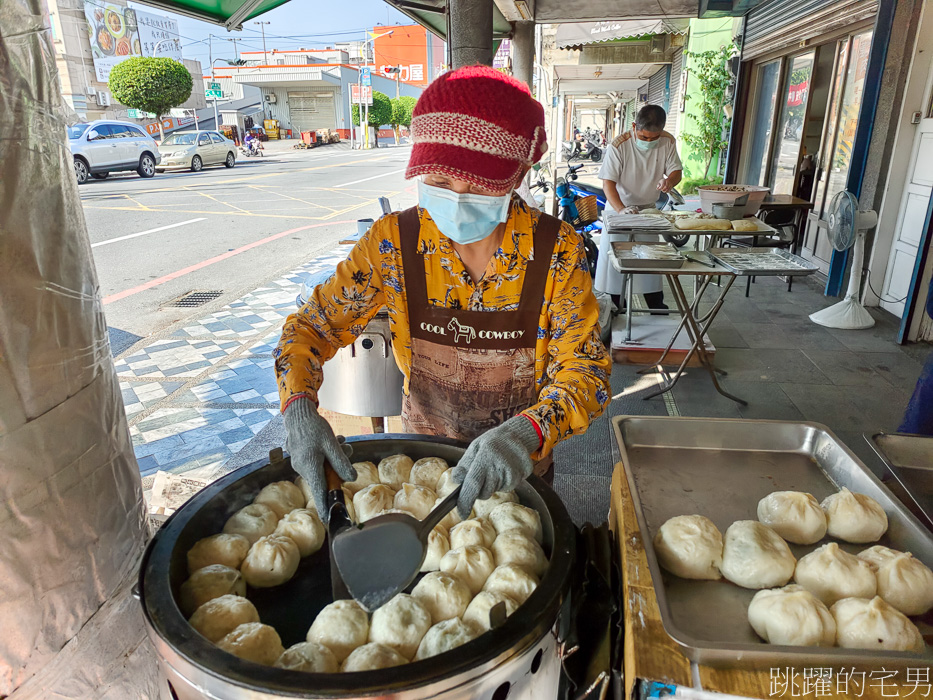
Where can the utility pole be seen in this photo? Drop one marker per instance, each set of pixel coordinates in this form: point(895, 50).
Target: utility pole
point(398, 72)
point(265, 57)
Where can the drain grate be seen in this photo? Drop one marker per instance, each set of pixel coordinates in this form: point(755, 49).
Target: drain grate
point(195, 298)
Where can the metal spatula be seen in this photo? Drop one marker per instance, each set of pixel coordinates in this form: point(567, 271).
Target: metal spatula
point(380, 558)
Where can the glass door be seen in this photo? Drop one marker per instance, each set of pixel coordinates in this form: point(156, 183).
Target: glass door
point(788, 136)
point(763, 122)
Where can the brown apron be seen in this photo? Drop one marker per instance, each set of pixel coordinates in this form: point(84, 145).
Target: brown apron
point(471, 370)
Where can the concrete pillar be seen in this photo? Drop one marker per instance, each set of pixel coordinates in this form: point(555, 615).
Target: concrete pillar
point(470, 32)
point(523, 48)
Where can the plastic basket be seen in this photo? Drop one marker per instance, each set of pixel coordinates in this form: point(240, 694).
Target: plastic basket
point(587, 210)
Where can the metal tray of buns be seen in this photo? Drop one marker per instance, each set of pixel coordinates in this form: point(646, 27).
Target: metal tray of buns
point(721, 468)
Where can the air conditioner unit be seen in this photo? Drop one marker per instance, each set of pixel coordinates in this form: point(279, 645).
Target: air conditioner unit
point(270, 98)
point(103, 99)
point(90, 92)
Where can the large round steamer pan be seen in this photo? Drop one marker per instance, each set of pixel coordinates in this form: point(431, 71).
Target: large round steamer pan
point(519, 659)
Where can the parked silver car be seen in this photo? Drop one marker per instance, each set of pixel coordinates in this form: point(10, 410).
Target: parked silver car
point(196, 149)
point(103, 147)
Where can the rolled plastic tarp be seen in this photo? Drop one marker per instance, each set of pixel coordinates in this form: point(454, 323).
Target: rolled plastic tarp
point(72, 515)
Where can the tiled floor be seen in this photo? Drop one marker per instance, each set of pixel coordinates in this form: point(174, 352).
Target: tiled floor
point(199, 394)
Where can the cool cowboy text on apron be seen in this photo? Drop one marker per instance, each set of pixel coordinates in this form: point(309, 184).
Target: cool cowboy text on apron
point(471, 370)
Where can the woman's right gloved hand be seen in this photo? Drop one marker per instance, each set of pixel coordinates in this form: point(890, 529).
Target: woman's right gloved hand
point(310, 441)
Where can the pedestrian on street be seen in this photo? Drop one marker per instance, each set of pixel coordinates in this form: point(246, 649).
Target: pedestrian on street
point(494, 323)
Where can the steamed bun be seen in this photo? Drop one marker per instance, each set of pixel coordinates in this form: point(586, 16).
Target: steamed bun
point(792, 616)
point(271, 561)
point(904, 583)
point(485, 507)
point(754, 556)
point(794, 515)
point(371, 501)
point(472, 531)
point(308, 657)
point(445, 484)
point(471, 564)
point(366, 475)
point(477, 612)
point(513, 581)
point(254, 642)
point(415, 500)
point(831, 574)
point(341, 626)
point(854, 517)
point(305, 528)
point(689, 546)
point(873, 624)
point(438, 546)
point(372, 657)
point(208, 583)
point(395, 470)
point(220, 616)
point(228, 550)
point(400, 624)
point(427, 471)
point(516, 547)
point(252, 522)
point(443, 596)
point(444, 636)
point(282, 497)
point(513, 516)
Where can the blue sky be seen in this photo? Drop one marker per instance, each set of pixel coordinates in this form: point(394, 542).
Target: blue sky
point(308, 24)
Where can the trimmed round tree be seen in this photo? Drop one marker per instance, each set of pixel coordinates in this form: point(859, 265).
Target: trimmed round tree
point(380, 111)
point(402, 108)
point(151, 85)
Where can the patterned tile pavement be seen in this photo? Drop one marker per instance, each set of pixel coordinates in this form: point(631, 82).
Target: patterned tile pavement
point(197, 396)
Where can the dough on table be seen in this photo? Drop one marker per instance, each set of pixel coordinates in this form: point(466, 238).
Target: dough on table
point(514, 516)
point(471, 564)
point(271, 561)
point(372, 657)
point(873, 624)
point(794, 515)
point(472, 531)
point(366, 475)
point(444, 636)
point(427, 471)
point(400, 624)
point(282, 497)
point(445, 484)
point(516, 547)
point(208, 583)
point(792, 616)
point(831, 574)
point(484, 508)
point(438, 546)
point(854, 517)
point(220, 616)
point(309, 657)
point(416, 500)
point(689, 546)
point(744, 225)
point(395, 470)
point(341, 626)
point(254, 642)
point(305, 528)
point(477, 612)
point(253, 521)
point(228, 550)
point(513, 581)
point(694, 223)
point(904, 582)
point(754, 556)
point(444, 596)
point(372, 500)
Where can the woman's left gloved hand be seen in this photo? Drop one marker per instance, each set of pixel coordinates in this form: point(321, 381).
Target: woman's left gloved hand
point(497, 460)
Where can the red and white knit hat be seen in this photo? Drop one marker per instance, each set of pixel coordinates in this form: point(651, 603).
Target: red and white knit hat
point(479, 125)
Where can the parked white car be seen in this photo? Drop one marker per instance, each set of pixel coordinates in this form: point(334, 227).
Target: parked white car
point(196, 149)
point(103, 147)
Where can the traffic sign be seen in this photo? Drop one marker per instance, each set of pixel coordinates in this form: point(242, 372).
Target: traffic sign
point(213, 86)
point(367, 94)
point(213, 94)
point(366, 76)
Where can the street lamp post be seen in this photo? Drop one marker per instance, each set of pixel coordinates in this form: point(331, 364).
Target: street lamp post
point(364, 121)
point(214, 97)
point(262, 26)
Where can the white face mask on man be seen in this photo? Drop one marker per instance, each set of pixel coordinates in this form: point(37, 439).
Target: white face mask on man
point(463, 218)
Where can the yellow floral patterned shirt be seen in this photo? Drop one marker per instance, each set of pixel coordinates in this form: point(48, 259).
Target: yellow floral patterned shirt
point(572, 364)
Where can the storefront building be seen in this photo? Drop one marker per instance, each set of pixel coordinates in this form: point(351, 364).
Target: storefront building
point(822, 95)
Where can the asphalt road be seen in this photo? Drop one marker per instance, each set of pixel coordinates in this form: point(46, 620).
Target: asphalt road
point(228, 230)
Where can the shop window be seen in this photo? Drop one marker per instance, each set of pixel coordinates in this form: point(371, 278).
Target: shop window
point(789, 134)
point(763, 120)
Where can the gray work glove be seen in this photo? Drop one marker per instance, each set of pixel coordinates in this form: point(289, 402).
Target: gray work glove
point(310, 441)
point(497, 460)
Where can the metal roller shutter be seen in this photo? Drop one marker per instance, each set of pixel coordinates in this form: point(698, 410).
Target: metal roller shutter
point(673, 112)
point(783, 23)
point(310, 111)
point(657, 87)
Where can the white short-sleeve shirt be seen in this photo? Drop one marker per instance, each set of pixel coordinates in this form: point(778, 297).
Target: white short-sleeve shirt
point(636, 172)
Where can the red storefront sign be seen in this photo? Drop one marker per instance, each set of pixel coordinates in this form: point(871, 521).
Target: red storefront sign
point(797, 94)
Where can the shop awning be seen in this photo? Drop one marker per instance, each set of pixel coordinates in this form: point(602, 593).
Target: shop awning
point(230, 13)
point(600, 80)
point(583, 33)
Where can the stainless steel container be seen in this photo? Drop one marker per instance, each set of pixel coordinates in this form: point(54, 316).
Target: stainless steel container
point(520, 659)
point(362, 379)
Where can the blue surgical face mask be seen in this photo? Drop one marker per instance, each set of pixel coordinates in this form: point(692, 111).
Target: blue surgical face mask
point(645, 145)
point(463, 218)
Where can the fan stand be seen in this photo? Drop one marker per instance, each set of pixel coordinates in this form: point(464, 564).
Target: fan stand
point(849, 313)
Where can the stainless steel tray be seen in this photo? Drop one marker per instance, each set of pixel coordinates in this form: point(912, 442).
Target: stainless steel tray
point(721, 468)
point(910, 459)
point(627, 258)
point(763, 263)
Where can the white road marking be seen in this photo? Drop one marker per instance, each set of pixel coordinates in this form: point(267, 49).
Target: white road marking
point(144, 233)
point(367, 179)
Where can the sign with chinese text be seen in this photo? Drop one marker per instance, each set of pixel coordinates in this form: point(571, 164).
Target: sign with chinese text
point(366, 76)
point(367, 94)
point(118, 33)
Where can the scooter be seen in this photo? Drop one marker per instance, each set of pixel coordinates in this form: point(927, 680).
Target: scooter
point(584, 149)
point(254, 149)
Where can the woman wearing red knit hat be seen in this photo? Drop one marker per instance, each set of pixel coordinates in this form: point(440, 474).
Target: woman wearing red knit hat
point(493, 318)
